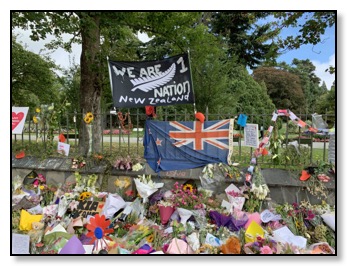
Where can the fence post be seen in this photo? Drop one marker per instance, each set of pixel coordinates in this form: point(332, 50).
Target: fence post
point(129, 131)
point(137, 133)
point(325, 134)
point(111, 131)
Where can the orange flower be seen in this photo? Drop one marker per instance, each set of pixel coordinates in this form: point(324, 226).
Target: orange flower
point(98, 228)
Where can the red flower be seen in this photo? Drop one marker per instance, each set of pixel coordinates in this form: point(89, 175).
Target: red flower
point(98, 228)
point(129, 193)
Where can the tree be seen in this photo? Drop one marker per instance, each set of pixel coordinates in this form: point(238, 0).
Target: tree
point(248, 41)
point(284, 88)
point(250, 97)
point(33, 81)
point(326, 104)
point(309, 82)
point(84, 28)
point(312, 27)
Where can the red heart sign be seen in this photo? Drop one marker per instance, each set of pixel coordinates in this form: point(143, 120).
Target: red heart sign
point(16, 119)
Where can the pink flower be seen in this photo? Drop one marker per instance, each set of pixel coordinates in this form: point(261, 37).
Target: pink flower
point(266, 250)
point(36, 183)
point(41, 178)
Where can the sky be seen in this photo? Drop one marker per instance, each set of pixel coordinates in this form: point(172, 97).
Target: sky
point(322, 55)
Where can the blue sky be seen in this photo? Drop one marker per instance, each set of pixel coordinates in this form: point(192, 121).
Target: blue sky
point(322, 55)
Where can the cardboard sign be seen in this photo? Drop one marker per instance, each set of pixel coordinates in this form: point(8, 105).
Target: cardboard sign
point(86, 208)
point(19, 115)
point(251, 135)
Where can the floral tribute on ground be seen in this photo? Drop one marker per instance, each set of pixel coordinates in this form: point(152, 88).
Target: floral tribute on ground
point(142, 216)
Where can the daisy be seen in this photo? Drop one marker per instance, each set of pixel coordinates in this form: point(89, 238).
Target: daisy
point(98, 230)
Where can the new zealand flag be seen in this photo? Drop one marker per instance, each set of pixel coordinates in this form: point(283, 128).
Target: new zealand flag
point(172, 145)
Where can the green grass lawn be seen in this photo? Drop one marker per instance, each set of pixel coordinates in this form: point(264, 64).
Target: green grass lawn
point(240, 155)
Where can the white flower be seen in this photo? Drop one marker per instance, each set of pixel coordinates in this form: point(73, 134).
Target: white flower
point(137, 167)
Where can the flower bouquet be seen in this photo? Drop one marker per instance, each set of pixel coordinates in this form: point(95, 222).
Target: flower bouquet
point(186, 199)
point(146, 187)
point(166, 209)
point(257, 193)
point(212, 178)
point(261, 246)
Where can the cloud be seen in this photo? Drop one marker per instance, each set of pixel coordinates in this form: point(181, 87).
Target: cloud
point(59, 56)
point(320, 70)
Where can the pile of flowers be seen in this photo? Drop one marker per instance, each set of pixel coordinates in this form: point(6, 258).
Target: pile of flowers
point(187, 197)
point(116, 223)
point(127, 164)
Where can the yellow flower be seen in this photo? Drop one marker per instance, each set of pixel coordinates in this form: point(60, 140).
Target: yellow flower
point(42, 187)
point(35, 120)
point(188, 187)
point(122, 183)
point(150, 238)
point(88, 118)
point(37, 110)
point(85, 195)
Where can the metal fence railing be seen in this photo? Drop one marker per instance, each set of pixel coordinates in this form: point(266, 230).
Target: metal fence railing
point(122, 134)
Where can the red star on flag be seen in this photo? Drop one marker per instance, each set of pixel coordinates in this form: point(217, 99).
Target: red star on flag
point(158, 142)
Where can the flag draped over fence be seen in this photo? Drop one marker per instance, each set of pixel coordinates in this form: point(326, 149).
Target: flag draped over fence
point(172, 145)
point(165, 82)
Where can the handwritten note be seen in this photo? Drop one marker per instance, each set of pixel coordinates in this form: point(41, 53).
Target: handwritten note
point(251, 135)
point(284, 235)
point(267, 216)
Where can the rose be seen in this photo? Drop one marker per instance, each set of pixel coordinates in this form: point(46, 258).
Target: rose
point(266, 250)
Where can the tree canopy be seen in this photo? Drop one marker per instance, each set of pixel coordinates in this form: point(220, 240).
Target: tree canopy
point(283, 87)
point(32, 78)
point(221, 45)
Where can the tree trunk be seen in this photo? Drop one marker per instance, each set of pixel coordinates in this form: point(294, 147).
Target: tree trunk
point(90, 88)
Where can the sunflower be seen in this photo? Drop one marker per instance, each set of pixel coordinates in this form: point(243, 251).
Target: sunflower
point(35, 120)
point(188, 187)
point(98, 228)
point(150, 238)
point(85, 195)
point(88, 118)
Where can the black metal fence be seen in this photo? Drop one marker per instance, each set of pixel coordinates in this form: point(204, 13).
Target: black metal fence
point(122, 134)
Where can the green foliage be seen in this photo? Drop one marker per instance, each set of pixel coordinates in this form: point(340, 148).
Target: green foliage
point(249, 96)
point(312, 27)
point(283, 88)
point(296, 157)
point(276, 142)
point(247, 40)
point(33, 81)
point(326, 104)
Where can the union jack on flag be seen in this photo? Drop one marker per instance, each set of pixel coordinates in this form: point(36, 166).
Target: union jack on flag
point(187, 144)
point(199, 134)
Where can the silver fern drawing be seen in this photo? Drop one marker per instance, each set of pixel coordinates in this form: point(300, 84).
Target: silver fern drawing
point(150, 83)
